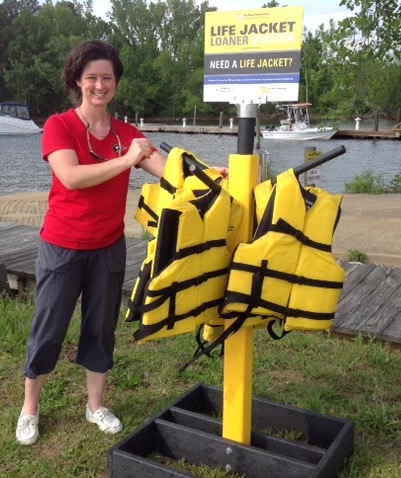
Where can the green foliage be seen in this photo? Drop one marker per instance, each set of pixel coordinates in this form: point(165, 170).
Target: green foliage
point(363, 57)
point(369, 183)
point(162, 47)
point(366, 183)
point(146, 235)
point(395, 184)
point(37, 52)
point(357, 256)
point(347, 68)
point(376, 29)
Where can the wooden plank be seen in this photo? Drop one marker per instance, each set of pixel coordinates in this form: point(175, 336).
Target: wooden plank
point(136, 253)
point(375, 315)
point(351, 294)
point(355, 275)
point(18, 250)
point(391, 328)
point(358, 310)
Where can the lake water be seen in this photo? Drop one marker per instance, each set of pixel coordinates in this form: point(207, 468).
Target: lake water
point(23, 170)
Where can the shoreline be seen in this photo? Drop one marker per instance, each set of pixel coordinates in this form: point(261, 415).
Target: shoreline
point(369, 223)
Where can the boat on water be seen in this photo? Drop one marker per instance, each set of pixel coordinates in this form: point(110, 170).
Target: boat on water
point(297, 125)
point(15, 119)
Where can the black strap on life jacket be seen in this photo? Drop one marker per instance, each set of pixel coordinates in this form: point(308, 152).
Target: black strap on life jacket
point(285, 276)
point(142, 205)
point(271, 306)
point(167, 186)
point(273, 333)
point(266, 221)
point(286, 228)
point(267, 218)
point(232, 328)
point(253, 301)
point(143, 277)
point(259, 273)
point(166, 240)
point(199, 248)
point(165, 293)
point(148, 330)
point(202, 343)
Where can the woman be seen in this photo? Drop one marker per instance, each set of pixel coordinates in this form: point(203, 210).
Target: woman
point(82, 251)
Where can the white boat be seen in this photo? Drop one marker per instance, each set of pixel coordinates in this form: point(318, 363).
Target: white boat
point(15, 119)
point(297, 125)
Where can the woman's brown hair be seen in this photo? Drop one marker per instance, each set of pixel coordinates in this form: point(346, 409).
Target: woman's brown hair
point(78, 58)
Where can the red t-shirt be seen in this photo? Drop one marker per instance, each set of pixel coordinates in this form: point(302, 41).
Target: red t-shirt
point(90, 218)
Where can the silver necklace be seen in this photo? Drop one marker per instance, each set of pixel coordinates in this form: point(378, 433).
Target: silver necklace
point(99, 133)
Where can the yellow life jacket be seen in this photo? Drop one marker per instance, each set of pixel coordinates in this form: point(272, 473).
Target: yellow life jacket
point(154, 197)
point(287, 271)
point(184, 276)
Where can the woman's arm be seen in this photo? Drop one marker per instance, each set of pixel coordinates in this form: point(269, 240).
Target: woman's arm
point(65, 165)
point(154, 165)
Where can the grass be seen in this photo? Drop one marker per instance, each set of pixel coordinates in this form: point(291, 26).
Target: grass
point(354, 379)
point(357, 256)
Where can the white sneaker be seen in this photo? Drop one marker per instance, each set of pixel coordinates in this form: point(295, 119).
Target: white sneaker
point(27, 431)
point(105, 420)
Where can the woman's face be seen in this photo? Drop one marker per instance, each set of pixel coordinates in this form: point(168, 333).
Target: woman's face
point(97, 83)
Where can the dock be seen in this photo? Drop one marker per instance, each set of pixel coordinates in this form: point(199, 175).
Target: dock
point(390, 134)
point(370, 303)
point(165, 128)
point(367, 134)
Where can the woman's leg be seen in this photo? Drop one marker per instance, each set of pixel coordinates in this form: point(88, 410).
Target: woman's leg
point(101, 299)
point(100, 305)
point(96, 384)
point(95, 411)
point(58, 279)
point(33, 387)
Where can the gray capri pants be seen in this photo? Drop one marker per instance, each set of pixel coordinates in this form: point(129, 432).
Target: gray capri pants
point(62, 275)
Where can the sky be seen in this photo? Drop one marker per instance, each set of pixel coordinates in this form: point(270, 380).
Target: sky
point(316, 11)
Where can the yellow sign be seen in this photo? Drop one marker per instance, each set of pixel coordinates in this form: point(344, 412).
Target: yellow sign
point(251, 54)
point(265, 29)
point(310, 155)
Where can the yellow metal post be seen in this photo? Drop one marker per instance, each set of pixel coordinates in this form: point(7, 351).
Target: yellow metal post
point(238, 353)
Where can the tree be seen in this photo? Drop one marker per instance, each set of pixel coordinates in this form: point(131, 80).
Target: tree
point(9, 11)
point(362, 52)
point(162, 48)
point(376, 28)
point(37, 51)
point(271, 4)
point(347, 68)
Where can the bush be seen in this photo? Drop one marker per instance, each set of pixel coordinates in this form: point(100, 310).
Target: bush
point(366, 183)
point(395, 184)
point(357, 256)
